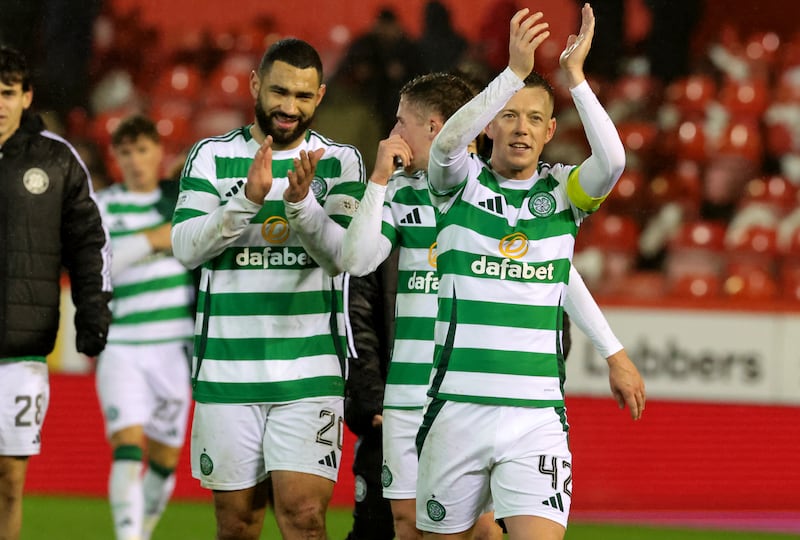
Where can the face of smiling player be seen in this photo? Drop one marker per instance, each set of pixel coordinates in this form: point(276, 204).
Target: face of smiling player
point(286, 100)
point(520, 131)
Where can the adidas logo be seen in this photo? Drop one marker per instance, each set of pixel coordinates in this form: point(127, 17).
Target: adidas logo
point(329, 460)
point(38, 438)
point(495, 204)
point(555, 501)
point(412, 218)
point(235, 189)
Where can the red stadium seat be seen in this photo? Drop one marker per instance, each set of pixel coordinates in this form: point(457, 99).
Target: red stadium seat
point(691, 142)
point(745, 99)
point(628, 196)
point(696, 286)
point(179, 81)
point(229, 88)
point(692, 94)
point(750, 283)
point(753, 247)
point(697, 249)
point(683, 185)
point(638, 137)
point(742, 138)
point(774, 191)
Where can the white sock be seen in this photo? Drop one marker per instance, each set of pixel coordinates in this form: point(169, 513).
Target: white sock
point(125, 496)
point(157, 491)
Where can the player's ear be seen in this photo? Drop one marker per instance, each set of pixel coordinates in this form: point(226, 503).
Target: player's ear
point(255, 84)
point(321, 92)
point(551, 130)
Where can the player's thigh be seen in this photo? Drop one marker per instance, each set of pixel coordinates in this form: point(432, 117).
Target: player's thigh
point(227, 445)
point(533, 473)
point(24, 398)
point(121, 383)
point(169, 383)
point(305, 436)
point(399, 470)
point(454, 463)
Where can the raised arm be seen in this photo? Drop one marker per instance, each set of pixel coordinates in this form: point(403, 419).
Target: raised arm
point(602, 169)
point(448, 164)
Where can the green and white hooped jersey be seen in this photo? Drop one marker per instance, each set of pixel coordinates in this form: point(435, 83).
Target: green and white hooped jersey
point(409, 222)
point(153, 299)
point(270, 325)
point(504, 260)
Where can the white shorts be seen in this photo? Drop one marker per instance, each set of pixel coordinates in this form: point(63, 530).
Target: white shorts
point(24, 396)
point(472, 454)
point(399, 471)
point(146, 385)
point(235, 446)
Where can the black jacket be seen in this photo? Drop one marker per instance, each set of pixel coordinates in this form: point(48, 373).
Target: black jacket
point(48, 218)
point(371, 311)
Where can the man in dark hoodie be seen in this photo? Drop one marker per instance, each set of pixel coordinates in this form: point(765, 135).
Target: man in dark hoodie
point(48, 219)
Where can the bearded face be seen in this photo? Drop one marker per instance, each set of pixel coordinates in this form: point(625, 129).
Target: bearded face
point(284, 128)
point(286, 100)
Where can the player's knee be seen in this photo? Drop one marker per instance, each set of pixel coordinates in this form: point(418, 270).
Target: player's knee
point(306, 517)
point(238, 526)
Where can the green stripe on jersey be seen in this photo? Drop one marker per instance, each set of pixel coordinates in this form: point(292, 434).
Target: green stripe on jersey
point(417, 328)
point(198, 184)
point(505, 362)
point(269, 303)
point(407, 373)
point(154, 315)
point(512, 315)
point(259, 349)
point(158, 284)
point(267, 392)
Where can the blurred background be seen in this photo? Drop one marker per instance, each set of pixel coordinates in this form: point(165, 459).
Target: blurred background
point(695, 257)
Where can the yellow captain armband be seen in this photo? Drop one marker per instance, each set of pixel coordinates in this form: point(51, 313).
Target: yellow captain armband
point(579, 197)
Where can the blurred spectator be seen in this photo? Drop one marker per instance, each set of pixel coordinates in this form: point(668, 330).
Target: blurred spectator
point(441, 47)
point(669, 42)
point(349, 111)
point(56, 35)
point(396, 60)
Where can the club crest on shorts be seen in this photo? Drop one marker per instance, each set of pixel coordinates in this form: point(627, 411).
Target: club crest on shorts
point(542, 204)
point(319, 187)
point(206, 465)
point(435, 510)
point(361, 488)
point(36, 180)
point(386, 476)
point(112, 413)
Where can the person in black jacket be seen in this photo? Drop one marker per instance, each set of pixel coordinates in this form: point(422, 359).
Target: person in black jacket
point(371, 315)
point(48, 218)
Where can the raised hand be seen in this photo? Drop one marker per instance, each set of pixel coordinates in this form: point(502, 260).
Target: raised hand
point(300, 178)
point(526, 34)
point(259, 176)
point(574, 55)
point(388, 149)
